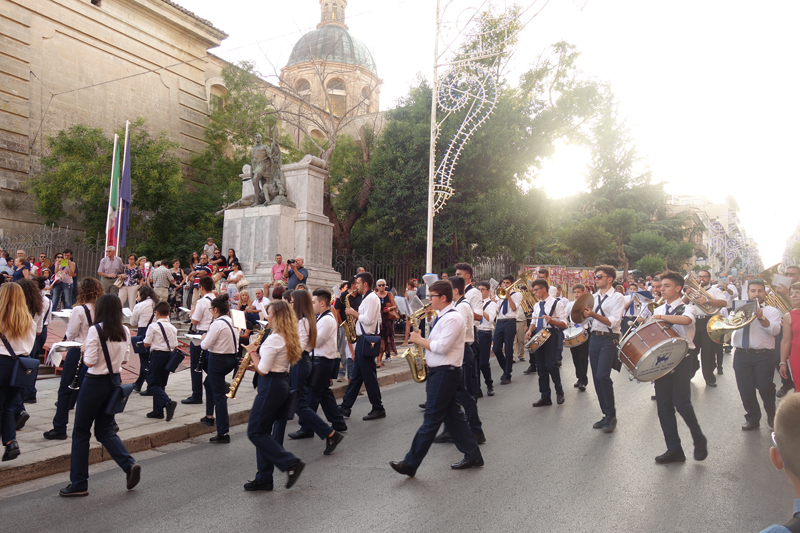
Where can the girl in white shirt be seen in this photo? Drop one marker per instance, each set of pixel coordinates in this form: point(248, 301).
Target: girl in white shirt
point(18, 332)
point(95, 394)
point(272, 361)
point(142, 315)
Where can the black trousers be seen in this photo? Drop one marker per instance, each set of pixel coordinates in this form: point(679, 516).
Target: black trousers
point(755, 372)
point(320, 393)
point(674, 392)
point(504, 333)
point(706, 348)
point(547, 366)
point(484, 354)
point(580, 358)
point(366, 373)
point(467, 394)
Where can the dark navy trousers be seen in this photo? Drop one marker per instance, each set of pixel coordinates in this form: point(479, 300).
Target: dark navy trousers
point(504, 333)
point(69, 366)
point(320, 393)
point(298, 380)
point(158, 377)
point(602, 351)
point(674, 392)
point(273, 388)
point(7, 396)
point(219, 366)
point(144, 357)
point(755, 372)
point(197, 377)
point(547, 366)
point(484, 354)
point(366, 373)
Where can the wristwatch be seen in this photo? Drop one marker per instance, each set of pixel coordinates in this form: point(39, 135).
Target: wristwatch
point(782, 363)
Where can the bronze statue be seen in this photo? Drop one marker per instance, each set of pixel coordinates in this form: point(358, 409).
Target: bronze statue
point(269, 183)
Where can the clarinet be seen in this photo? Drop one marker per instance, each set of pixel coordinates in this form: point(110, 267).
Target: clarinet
point(75, 385)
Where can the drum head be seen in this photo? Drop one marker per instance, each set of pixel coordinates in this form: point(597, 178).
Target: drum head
point(661, 360)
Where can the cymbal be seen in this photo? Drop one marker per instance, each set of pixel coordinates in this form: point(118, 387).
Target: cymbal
point(585, 300)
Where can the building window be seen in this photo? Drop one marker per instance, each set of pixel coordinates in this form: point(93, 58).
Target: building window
point(96, 3)
point(217, 98)
point(303, 87)
point(363, 105)
point(337, 97)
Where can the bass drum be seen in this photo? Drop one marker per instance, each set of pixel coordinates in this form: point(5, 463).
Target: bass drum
point(652, 350)
point(575, 336)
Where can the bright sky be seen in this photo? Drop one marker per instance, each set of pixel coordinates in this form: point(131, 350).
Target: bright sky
point(707, 87)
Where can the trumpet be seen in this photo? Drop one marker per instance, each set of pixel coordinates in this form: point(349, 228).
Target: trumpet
point(694, 291)
point(528, 298)
point(415, 355)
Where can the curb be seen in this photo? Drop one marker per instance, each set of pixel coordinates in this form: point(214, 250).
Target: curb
point(61, 463)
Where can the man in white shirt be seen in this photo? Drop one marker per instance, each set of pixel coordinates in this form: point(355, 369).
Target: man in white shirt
point(444, 355)
point(261, 303)
point(474, 298)
point(161, 338)
point(550, 314)
point(201, 320)
point(753, 361)
point(364, 370)
point(674, 390)
point(580, 353)
point(484, 335)
point(606, 315)
point(505, 330)
point(704, 346)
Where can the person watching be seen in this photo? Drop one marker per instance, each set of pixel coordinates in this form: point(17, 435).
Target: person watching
point(296, 273)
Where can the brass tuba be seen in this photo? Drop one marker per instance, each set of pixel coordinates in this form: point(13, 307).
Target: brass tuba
point(528, 298)
point(773, 297)
point(415, 355)
point(693, 289)
point(349, 323)
point(718, 326)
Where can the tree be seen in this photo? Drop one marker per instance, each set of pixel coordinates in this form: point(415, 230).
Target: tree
point(583, 242)
point(650, 264)
point(620, 223)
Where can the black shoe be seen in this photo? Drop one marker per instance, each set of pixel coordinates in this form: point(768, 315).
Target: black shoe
point(12, 451)
point(375, 414)
point(23, 417)
point(339, 427)
point(671, 456)
point(558, 364)
point(191, 401)
point(599, 424)
point(70, 492)
point(345, 411)
point(444, 436)
point(422, 406)
point(146, 393)
point(653, 397)
point(610, 425)
point(171, 410)
point(220, 439)
point(577, 384)
point(783, 391)
point(332, 442)
point(207, 421)
point(719, 371)
point(258, 485)
point(301, 434)
point(490, 391)
point(463, 464)
point(700, 450)
point(294, 473)
point(582, 387)
point(479, 394)
point(505, 380)
point(711, 383)
point(155, 414)
point(132, 477)
point(52, 435)
point(522, 359)
point(543, 402)
point(137, 388)
point(29, 400)
point(187, 321)
point(560, 398)
point(480, 438)
point(748, 426)
point(403, 468)
point(530, 370)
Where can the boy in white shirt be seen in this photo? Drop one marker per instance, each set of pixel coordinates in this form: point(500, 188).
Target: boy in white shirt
point(161, 338)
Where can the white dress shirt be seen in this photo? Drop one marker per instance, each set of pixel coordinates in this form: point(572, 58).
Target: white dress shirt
point(447, 339)
point(570, 306)
point(559, 313)
point(202, 313)
point(22, 347)
point(687, 332)
point(761, 338)
point(261, 304)
point(628, 311)
point(369, 315)
point(118, 352)
point(465, 309)
point(155, 338)
point(613, 305)
point(219, 338)
point(326, 336)
point(516, 297)
point(475, 300)
point(78, 324)
point(142, 313)
point(302, 331)
point(43, 319)
point(490, 310)
point(273, 355)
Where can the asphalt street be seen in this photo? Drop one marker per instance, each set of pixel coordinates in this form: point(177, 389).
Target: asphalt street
point(546, 470)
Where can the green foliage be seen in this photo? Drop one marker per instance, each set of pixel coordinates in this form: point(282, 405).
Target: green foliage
point(650, 264)
point(583, 242)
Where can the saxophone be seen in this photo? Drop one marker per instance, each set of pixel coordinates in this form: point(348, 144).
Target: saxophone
point(237, 379)
point(416, 355)
point(349, 323)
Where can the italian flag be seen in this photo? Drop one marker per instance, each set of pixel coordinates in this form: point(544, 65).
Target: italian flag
point(113, 199)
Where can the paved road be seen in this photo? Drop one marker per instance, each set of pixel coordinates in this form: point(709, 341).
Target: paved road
point(546, 470)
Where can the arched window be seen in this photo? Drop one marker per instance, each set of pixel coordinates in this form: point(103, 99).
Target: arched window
point(303, 87)
point(217, 100)
point(317, 135)
point(337, 97)
point(363, 105)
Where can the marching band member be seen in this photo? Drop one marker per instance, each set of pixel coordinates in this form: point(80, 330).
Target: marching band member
point(108, 340)
point(272, 361)
point(161, 338)
point(704, 346)
point(485, 327)
point(80, 320)
point(142, 316)
point(505, 330)
point(444, 355)
point(222, 345)
point(606, 316)
point(474, 298)
point(674, 391)
point(201, 321)
point(18, 333)
point(549, 313)
point(580, 353)
point(752, 358)
point(364, 371)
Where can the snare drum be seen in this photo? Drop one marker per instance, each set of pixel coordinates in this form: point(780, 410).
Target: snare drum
point(652, 350)
point(538, 340)
point(575, 336)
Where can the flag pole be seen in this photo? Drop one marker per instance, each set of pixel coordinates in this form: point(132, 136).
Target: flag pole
point(119, 204)
point(113, 160)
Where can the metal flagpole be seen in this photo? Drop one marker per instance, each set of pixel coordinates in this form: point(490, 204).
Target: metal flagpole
point(434, 134)
point(119, 200)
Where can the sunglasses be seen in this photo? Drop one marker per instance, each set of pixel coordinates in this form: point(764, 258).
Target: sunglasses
point(382, 285)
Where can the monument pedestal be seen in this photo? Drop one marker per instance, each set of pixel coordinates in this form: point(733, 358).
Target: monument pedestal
point(259, 233)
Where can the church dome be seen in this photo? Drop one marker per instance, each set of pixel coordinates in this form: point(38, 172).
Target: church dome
point(332, 42)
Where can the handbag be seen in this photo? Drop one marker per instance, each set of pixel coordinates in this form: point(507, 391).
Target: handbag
point(176, 357)
point(119, 398)
point(119, 282)
point(242, 283)
point(25, 368)
point(370, 344)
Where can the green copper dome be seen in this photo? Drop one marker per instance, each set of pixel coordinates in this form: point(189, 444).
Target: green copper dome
point(332, 43)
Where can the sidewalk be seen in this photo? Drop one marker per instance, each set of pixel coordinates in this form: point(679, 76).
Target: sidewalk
point(41, 457)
